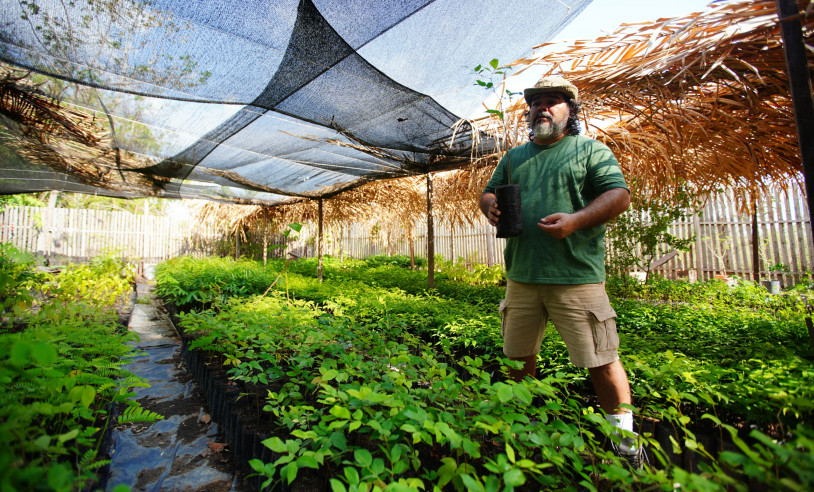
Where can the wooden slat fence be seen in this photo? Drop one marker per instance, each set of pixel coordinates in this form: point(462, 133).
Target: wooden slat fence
point(724, 244)
point(722, 247)
point(723, 240)
point(78, 235)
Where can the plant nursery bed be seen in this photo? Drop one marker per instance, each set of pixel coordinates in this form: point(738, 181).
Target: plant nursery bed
point(365, 380)
point(239, 406)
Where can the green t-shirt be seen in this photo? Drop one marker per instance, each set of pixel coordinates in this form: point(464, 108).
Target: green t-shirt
point(563, 177)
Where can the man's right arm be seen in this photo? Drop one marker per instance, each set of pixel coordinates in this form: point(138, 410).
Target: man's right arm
point(488, 205)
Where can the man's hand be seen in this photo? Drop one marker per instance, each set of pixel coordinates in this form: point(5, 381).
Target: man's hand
point(558, 225)
point(493, 215)
point(488, 205)
point(604, 208)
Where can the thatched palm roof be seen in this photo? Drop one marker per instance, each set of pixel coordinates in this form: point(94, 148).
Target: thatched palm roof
point(702, 99)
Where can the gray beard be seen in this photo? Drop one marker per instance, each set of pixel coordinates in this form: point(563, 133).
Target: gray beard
point(547, 131)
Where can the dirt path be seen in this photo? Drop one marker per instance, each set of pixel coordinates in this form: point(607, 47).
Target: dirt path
point(183, 451)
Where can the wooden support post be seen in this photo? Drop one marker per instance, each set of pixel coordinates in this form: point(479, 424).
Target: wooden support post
point(342, 242)
point(237, 244)
point(791, 30)
point(490, 245)
point(411, 240)
point(452, 243)
point(699, 247)
point(265, 240)
point(320, 240)
point(430, 237)
point(809, 324)
point(755, 243)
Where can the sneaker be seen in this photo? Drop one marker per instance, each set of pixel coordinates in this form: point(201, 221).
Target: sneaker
point(637, 457)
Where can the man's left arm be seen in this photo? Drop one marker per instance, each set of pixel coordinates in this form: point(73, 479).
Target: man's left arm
point(603, 208)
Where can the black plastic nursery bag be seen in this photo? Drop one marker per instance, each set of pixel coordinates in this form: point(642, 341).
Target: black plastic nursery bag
point(511, 214)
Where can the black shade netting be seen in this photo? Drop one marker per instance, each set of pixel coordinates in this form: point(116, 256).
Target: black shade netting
point(279, 98)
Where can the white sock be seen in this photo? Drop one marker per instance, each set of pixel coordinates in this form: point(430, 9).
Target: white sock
point(623, 421)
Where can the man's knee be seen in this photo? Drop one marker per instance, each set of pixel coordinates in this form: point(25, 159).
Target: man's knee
point(611, 370)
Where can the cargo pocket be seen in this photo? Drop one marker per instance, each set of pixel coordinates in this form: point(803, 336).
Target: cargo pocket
point(603, 322)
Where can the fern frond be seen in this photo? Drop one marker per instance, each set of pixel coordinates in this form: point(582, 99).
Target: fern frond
point(136, 413)
point(106, 386)
point(132, 382)
point(98, 464)
point(87, 459)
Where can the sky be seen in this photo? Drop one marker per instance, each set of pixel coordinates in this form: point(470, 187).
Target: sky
point(606, 15)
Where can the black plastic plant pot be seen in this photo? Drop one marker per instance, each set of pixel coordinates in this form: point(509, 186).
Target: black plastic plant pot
point(511, 212)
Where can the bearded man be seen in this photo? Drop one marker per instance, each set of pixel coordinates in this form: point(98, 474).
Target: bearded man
point(570, 186)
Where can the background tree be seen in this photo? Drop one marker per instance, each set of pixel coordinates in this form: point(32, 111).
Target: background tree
point(104, 43)
point(639, 236)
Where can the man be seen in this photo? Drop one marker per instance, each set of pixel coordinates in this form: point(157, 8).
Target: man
point(570, 187)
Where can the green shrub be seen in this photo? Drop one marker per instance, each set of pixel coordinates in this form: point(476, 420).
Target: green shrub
point(17, 279)
point(62, 372)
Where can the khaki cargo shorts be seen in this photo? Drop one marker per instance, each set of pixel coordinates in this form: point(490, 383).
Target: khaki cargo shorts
point(581, 314)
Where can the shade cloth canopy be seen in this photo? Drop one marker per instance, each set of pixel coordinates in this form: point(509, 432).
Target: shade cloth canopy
point(249, 101)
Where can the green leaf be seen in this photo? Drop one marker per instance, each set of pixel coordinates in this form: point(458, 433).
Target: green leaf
point(514, 478)
point(494, 63)
point(291, 470)
point(42, 442)
point(337, 486)
point(303, 434)
point(363, 457)
point(352, 475)
point(88, 395)
point(510, 453)
point(44, 353)
point(82, 394)
point(522, 393)
point(340, 412)
point(19, 353)
point(59, 477)
point(328, 375)
point(68, 435)
point(504, 392)
point(257, 465)
point(471, 484)
point(339, 441)
point(409, 428)
point(308, 461)
point(566, 438)
point(275, 444)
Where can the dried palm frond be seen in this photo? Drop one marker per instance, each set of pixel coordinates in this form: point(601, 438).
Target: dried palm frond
point(39, 115)
point(44, 131)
